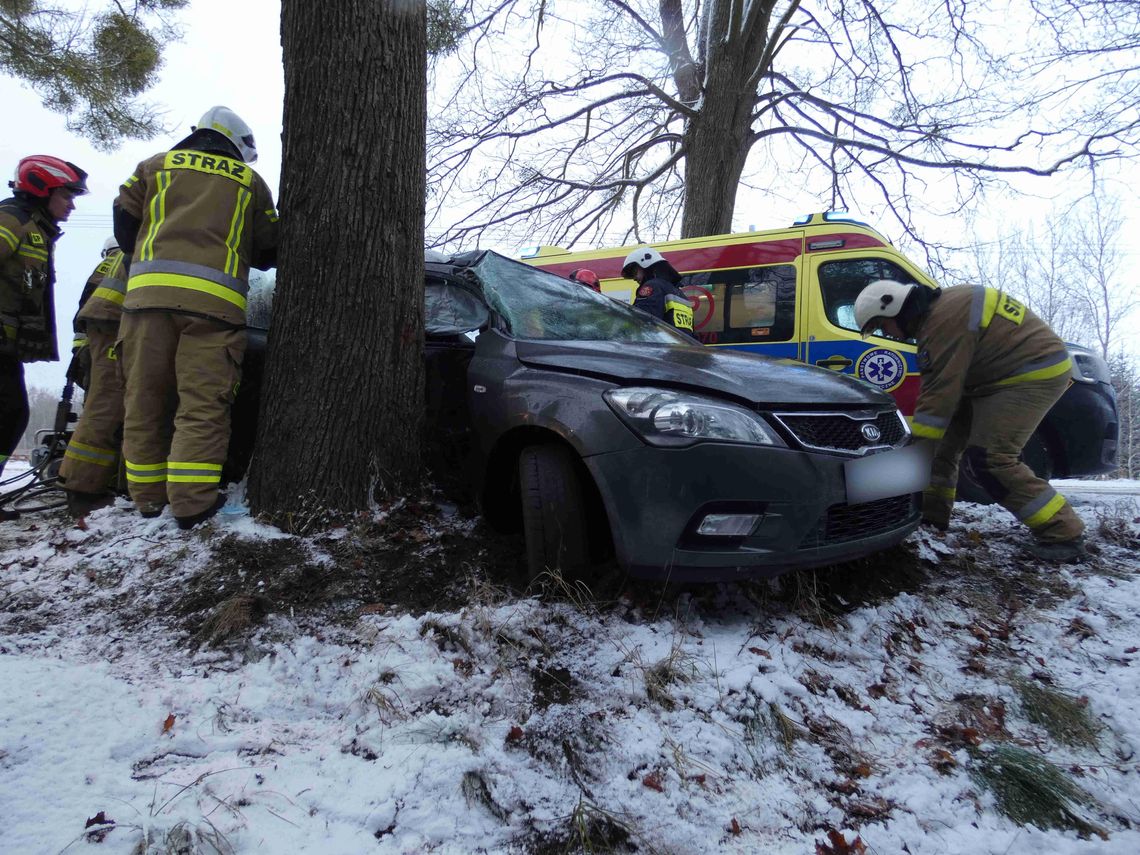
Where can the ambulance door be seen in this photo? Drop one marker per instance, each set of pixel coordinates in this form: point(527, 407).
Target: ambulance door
point(832, 339)
point(747, 308)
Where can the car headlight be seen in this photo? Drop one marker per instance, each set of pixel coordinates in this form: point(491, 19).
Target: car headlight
point(1088, 367)
point(667, 418)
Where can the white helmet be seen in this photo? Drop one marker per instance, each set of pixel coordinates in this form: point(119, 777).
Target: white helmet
point(644, 257)
point(230, 125)
point(109, 244)
point(883, 298)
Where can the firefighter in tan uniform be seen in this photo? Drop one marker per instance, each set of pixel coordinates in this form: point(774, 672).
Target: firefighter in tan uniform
point(991, 369)
point(194, 220)
point(90, 464)
point(43, 196)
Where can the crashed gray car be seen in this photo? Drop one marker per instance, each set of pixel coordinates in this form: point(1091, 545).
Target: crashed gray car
point(601, 432)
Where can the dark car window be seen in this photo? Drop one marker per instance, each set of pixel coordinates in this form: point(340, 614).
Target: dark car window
point(451, 310)
point(841, 282)
point(539, 305)
point(746, 305)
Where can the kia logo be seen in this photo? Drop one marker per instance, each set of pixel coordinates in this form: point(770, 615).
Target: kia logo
point(870, 432)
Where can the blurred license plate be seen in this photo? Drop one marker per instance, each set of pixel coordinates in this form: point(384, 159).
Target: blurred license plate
point(892, 473)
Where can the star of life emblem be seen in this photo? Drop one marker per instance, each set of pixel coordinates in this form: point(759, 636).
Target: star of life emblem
point(881, 367)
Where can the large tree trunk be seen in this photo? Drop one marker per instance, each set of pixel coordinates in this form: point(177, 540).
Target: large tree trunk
point(717, 142)
point(342, 400)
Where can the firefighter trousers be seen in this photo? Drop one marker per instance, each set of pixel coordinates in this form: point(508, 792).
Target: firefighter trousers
point(181, 376)
point(13, 406)
point(91, 462)
point(987, 435)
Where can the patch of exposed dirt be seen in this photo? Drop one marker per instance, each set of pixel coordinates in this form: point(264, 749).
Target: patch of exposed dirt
point(418, 557)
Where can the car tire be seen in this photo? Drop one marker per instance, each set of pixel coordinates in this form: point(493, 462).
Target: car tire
point(554, 515)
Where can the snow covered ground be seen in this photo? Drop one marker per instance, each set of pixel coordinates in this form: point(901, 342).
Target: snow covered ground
point(392, 692)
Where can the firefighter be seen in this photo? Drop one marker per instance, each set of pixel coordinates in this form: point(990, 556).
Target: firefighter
point(587, 277)
point(90, 464)
point(43, 196)
point(991, 369)
point(194, 220)
point(657, 291)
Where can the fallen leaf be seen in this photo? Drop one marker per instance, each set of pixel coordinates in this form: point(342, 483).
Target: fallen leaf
point(99, 819)
point(515, 734)
point(759, 652)
point(168, 725)
point(653, 782)
point(734, 827)
point(839, 845)
point(81, 523)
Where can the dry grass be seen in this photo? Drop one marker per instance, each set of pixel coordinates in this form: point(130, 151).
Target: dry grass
point(1117, 524)
point(476, 791)
point(231, 618)
point(1031, 791)
point(1066, 718)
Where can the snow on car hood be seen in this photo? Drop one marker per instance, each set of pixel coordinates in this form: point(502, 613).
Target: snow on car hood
point(756, 379)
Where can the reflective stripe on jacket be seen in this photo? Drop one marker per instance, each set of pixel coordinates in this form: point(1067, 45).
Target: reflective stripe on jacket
point(976, 339)
point(205, 220)
point(103, 295)
point(27, 281)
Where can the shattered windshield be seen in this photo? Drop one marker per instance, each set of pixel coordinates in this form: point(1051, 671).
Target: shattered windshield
point(541, 306)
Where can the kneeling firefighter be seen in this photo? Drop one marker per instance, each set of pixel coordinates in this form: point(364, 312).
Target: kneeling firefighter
point(991, 369)
point(90, 464)
point(194, 220)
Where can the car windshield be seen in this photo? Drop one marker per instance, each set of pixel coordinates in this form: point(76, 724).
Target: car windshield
point(541, 306)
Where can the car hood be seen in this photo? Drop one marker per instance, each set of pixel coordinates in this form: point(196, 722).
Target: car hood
point(759, 380)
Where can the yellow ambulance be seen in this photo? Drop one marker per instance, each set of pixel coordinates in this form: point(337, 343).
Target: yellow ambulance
point(791, 292)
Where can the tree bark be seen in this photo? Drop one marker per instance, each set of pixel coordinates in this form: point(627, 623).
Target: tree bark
point(717, 142)
point(341, 405)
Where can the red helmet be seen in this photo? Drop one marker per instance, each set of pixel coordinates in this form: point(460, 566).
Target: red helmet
point(39, 174)
point(587, 277)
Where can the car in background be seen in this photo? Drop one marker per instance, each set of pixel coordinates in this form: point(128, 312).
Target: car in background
point(600, 431)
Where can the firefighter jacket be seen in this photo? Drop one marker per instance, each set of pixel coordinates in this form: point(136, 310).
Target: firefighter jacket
point(974, 340)
point(27, 281)
point(102, 298)
point(662, 299)
point(205, 219)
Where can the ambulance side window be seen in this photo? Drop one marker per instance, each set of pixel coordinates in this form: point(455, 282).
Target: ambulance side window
point(841, 281)
point(756, 304)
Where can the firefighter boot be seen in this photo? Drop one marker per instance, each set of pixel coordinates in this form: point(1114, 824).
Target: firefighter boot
point(1058, 551)
point(186, 523)
point(81, 504)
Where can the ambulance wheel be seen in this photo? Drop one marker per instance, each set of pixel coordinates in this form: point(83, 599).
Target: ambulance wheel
point(554, 515)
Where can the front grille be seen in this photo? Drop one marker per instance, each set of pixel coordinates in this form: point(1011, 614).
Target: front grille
point(854, 522)
point(842, 433)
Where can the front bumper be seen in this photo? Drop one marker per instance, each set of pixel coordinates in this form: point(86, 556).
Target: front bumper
point(655, 498)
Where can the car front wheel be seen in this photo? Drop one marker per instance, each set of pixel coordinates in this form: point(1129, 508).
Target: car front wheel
point(553, 511)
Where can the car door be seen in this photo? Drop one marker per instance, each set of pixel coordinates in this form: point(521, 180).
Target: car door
point(833, 340)
point(453, 316)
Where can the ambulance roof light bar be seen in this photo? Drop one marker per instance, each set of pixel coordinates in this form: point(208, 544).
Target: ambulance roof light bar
point(827, 217)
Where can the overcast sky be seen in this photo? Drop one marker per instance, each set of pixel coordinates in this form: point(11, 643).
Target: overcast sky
point(239, 65)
